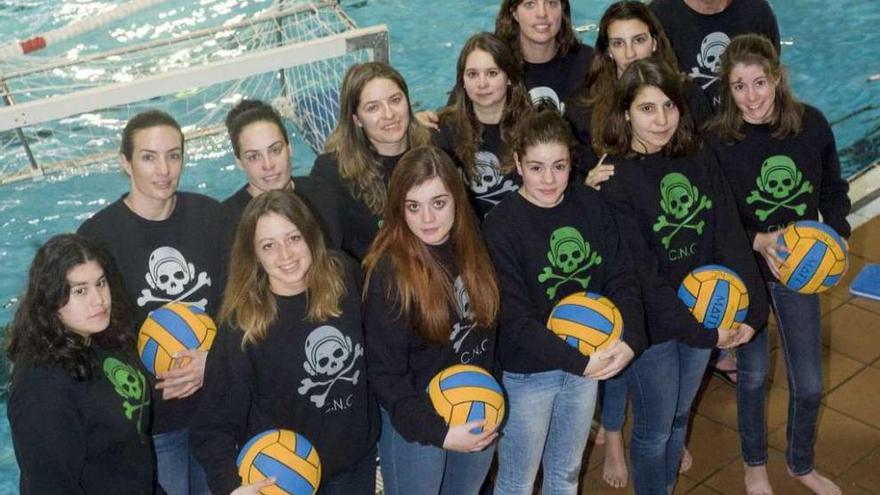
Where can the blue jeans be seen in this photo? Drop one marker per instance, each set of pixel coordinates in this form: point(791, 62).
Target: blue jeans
point(410, 467)
point(549, 415)
point(613, 392)
point(360, 480)
point(178, 471)
point(798, 322)
point(663, 382)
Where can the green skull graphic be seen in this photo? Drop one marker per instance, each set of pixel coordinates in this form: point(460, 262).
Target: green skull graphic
point(569, 256)
point(680, 200)
point(131, 385)
point(777, 183)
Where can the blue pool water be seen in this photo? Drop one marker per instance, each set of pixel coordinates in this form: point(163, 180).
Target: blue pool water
point(830, 47)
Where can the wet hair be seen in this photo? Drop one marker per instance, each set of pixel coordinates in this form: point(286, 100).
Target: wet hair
point(459, 115)
point(507, 28)
point(358, 165)
point(788, 112)
point(422, 289)
point(37, 335)
point(617, 132)
point(597, 90)
point(146, 120)
point(248, 303)
point(247, 112)
point(542, 125)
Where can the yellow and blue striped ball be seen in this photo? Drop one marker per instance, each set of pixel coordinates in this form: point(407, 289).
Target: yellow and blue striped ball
point(463, 393)
point(288, 456)
point(716, 296)
point(586, 321)
point(816, 258)
point(172, 328)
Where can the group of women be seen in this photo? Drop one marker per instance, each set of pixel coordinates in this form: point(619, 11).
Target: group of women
point(340, 295)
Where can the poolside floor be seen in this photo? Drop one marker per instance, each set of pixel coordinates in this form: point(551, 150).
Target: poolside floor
point(848, 445)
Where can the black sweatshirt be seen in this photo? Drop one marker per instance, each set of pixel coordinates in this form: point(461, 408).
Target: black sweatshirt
point(650, 192)
point(304, 376)
point(779, 181)
point(554, 81)
point(359, 224)
point(580, 118)
point(490, 185)
point(85, 437)
point(544, 254)
point(699, 40)
point(401, 362)
point(313, 191)
point(178, 258)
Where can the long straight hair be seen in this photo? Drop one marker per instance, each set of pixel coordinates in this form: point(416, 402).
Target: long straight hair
point(422, 290)
point(460, 116)
point(507, 28)
point(617, 132)
point(248, 302)
point(788, 112)
point(358, 165)
point(37, 335)
point(597, 91)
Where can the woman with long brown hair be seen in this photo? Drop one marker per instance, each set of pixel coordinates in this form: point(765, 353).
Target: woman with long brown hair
point(477, 125)
point(289, 352)
point(431, 302)
point(375, 128)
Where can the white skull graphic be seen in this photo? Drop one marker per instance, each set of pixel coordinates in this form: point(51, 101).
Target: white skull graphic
point(487, 174)
point(327, 350)
point(711, 49)
point(169, 271)
point(464, 300)
point(544, 94)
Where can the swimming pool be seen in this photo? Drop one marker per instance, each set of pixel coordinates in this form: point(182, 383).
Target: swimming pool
point(829, 66)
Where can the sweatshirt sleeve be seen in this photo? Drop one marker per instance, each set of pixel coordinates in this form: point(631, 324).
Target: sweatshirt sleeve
point(732, 247)
point(217, 431)
point(389, 340)
point(521, 323)
point(834, 204)
point(622, 285)
point(48, 435)
point(662, 305)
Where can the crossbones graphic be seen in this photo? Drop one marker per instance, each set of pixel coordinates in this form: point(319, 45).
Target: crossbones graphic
point(460, 331)
point(170, 272)
point(779, 177)
point(327, 350)
point(709, 58)
point(677, 197)
point(568, 251)
point(130, 384)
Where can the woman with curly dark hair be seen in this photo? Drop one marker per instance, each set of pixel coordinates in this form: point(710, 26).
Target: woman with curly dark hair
point(78, 403)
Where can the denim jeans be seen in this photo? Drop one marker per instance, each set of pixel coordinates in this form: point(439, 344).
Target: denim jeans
point(613, 392)
point(178, 471)
point(549, 416)
point(360, 480)
point(663, 382)
point(410, 467)
point(798, 322)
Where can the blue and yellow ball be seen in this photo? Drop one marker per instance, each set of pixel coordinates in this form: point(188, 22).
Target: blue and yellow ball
point(288, 456)
point(816, 258)
point(586, 321)
point(172, 328)
point(716, 296)
point(463, 393)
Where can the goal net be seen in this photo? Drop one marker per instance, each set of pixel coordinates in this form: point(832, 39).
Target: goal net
point(64, 116)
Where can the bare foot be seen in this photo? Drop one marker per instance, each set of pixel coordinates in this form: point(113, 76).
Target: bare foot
point(818, 484)
point(600, 436)
point(614, 472)
point(757, 482)
point(687, 460)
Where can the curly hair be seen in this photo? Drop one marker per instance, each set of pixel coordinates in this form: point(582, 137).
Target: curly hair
point(38, 337)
